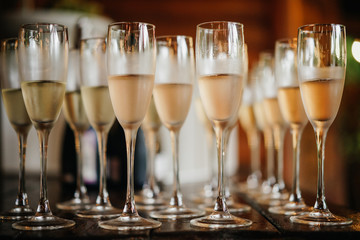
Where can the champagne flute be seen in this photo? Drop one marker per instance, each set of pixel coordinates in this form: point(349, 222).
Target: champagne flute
point(264, 126)
point(293, 112)
point(149, 197)
point(278, 126)
point(75, 115)
point(247, 119)
point(96, 98)
point(43, 62)
point(321, 63)
point(19, 119)
point(220, 69)
point(131, 59)
point(175, 73)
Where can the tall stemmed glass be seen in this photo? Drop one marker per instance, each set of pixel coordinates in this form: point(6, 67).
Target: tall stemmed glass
point(220, 69)
point(19, 119)
point(75, 115)
point(278, 126)
point(321, 63)
point(131, 59)
point(150, 197)
point(248, 121)
point(293, 112)
point(264, 126)
point(174, 77)
point(96, 98)
point(43, 62)
point(246, 116)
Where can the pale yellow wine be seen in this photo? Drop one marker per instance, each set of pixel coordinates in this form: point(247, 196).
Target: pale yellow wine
point(247, 117)
point(152, 119)
point(74, 111)
point(130, 97)
point(221, 95)
point(322, 98)
point(291, 105)
point(15, 109)
point(173, 103)
point(43, 101)
point(98, 107)
point(272, 112)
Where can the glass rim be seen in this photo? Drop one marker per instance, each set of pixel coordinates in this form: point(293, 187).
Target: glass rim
point(200, 25)
point(28, 26)
point(313, 27)
point(286, 40)
point(292, 42)
point(91, 39)
point(11, 40)
point(173, 36)
point(152, 26)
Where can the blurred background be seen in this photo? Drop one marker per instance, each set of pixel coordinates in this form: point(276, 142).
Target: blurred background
point(264, 21)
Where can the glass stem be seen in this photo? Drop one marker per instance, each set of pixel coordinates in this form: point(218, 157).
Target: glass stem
point(253, 137)
point(80, 191)
point(279, 134)
point(320, 203)
point(295, 195)
point(176, 199)
point(22, 199)
point(150, 171)
point(130, 137)
point(220, 205)
point(103, 197)
point(269, 145)
point(43, 206)
point(212, 166)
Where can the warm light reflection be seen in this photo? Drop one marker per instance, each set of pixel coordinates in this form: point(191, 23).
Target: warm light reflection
point(355, 49)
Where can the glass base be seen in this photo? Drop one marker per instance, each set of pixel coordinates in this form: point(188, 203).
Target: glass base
point(18, 213)
point(219, 220)
point(273, 199)
point(232, 207)
point(177, 213)
point(291, 209)
point(203, 200)
point(129, 223)
point(149, 204)
point(100, 211)
point(320, 218)
point(75, 204)
point(49, 222)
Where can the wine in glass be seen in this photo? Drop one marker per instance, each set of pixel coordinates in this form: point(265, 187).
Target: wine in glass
point(43, 61)
point(150, 197)
point(220, 73)
point(278, 126)
point(293, 112)
point(96, 98)
point(131, 58)
point(75, 116)
point(321, 61)
point(174, 77)
point(19, 119)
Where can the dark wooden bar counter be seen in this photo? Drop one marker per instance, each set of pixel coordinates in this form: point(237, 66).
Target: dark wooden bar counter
point(265, 225)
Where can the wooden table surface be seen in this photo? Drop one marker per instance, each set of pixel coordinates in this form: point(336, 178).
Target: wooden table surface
point(265, 225)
